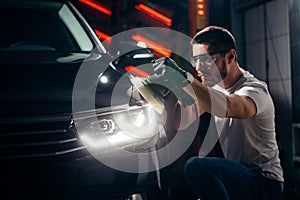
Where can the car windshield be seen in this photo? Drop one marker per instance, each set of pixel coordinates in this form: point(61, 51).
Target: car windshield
point(42, 26)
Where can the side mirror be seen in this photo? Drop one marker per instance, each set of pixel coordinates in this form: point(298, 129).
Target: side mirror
point(133, 55)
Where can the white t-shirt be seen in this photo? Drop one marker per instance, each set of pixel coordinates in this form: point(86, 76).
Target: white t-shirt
point(252, 141)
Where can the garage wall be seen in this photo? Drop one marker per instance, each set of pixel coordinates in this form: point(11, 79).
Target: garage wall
point(268, 56)
point(267, 50)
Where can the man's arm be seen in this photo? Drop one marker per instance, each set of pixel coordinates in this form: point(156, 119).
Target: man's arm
point(221, 105)
point(242, 107)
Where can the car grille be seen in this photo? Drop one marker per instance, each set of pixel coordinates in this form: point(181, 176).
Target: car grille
point(40, 136)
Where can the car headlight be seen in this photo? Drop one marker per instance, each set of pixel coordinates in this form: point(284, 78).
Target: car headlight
point(132, 128)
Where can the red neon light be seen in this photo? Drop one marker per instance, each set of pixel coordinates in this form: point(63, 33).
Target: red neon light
point(102, 35)
point(201, 6)
point(158, 16)
point(96, 6)
point(201, 12)
point(136, 71)
point(156, 47)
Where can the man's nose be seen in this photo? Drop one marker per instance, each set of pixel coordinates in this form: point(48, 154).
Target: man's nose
point(199, 66)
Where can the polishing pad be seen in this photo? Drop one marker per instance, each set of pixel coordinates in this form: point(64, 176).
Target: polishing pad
point(147, 93)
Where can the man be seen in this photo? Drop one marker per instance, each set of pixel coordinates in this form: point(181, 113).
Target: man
point(243, 112)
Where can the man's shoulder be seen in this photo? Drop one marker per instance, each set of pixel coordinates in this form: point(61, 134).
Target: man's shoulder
point(249, 80)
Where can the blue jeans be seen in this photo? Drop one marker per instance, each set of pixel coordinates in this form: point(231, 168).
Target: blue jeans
point(218, 178)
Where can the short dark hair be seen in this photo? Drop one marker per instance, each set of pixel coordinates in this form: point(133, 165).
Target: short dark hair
point(217, 38)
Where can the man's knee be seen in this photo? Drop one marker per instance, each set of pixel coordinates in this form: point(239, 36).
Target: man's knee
point(195, 166)
point(190, 166)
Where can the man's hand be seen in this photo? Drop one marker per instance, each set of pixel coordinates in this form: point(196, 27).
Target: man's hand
point(168, 74)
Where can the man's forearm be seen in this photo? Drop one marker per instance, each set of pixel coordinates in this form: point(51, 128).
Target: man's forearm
point(210, 100)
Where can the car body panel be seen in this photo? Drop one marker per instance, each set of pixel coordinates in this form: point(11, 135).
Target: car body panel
point(41, 154)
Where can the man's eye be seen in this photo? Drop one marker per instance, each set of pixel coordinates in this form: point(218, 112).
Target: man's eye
point(206, 59)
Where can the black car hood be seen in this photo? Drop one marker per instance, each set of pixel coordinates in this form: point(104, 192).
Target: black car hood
point(40, 83)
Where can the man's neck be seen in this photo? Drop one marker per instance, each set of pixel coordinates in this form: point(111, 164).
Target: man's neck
point(232, 76)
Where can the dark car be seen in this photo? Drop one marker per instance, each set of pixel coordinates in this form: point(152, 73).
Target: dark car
point(49, 107)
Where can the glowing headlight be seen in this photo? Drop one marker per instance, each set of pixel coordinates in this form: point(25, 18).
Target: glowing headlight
point(137, 123)
point(120, 127)
point(107, 125)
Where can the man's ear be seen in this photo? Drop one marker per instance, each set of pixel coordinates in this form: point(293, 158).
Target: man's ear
point(231, 56)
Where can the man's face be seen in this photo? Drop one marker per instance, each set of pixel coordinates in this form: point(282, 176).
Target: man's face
point(211, 66)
